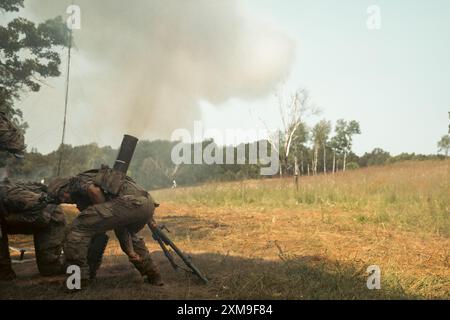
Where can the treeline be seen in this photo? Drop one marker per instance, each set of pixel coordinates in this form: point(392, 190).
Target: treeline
point(152, 166)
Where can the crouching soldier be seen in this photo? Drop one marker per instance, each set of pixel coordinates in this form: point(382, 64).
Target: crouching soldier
point(26, 209)
point(126, 211)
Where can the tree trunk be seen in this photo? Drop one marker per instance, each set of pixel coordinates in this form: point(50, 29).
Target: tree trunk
point(316, 158)
point(280, 169)
point(345, 161)
point(325, 159)
point(302, 170)
point(296, 173)
point(334, 161)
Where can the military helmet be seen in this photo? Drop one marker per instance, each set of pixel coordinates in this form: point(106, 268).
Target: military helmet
point(11, 137)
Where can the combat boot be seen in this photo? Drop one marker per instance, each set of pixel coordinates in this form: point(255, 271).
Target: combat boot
point(85, 283)
point(154, 278)
point(50, 270)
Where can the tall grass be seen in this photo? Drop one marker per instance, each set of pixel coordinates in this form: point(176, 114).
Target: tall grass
point(263, 239)
point(411, 195)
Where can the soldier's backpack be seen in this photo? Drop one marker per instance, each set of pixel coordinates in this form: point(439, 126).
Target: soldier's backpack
point(23, 206)
point(111, 181)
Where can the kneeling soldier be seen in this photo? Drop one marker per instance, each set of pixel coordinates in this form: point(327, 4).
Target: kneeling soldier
point(126, 212)
point(26, 209)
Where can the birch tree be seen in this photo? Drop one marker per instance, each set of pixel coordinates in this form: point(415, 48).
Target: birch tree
point(344, 137)
point(320, 134)
point(299, 141)
point(334, 145)
point(325, 137)
point(444, 145)
point(293, 108)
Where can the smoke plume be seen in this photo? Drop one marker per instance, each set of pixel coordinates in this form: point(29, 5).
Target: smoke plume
point(142, 66)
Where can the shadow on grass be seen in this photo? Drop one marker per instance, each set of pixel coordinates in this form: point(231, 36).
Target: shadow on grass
point(182, 227)
point(230, 278)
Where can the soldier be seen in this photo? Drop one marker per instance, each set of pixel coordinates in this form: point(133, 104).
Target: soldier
point(11, 137)
point(11, 140)
point(26, 209)
point(126, 212)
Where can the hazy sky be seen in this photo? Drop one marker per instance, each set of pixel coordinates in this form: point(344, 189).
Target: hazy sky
point(395, 81)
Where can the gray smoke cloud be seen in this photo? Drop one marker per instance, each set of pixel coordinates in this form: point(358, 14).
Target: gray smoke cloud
point(142, 66)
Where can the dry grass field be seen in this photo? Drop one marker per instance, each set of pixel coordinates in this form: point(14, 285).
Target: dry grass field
point(263, 239)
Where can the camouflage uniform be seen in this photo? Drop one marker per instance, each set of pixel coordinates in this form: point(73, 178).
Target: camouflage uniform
point(11, 138)
point(26, 210)
point(126, 213)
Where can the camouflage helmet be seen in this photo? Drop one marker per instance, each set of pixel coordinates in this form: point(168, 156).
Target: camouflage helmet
point(57, 186)
point(11, 137)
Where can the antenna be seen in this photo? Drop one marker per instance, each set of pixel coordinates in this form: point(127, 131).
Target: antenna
point(58, 171)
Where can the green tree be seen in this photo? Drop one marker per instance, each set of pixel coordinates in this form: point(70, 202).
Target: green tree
point(320, 135)
point(334, 145)
point(375, 158)
point(343, 139)
point(293, 109)
point(300, 138)
point(27, 55)
point(444, 145)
